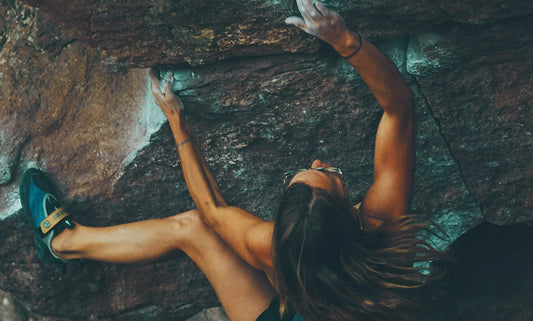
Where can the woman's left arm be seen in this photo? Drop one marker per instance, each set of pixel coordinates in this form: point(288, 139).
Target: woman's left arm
point(248, 235)
point(388, 197)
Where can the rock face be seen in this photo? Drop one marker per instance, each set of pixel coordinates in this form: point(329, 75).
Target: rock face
point(52, 85)
point(261, 98)
point(11, 310)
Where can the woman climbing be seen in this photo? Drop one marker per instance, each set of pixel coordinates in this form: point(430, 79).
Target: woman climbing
point(322, 258)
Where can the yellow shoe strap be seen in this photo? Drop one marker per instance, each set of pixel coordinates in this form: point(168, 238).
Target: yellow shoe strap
point(52, 219)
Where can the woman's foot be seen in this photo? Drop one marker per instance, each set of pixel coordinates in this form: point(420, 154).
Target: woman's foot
point(44, 212)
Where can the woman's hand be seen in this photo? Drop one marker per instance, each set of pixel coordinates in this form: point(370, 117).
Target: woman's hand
point(322, 23)
point(169, 103)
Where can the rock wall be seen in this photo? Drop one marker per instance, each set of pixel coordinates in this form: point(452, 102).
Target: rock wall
point(261, 98)
point(61, 110)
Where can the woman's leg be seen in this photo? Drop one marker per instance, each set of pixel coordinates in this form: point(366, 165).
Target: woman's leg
point(243, 291)
point(125, 243)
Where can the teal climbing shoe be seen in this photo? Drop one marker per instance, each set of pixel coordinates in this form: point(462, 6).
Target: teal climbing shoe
point(44, 212)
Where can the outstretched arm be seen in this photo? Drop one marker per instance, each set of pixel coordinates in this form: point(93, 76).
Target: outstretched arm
point(247, 234)
point(388, 196)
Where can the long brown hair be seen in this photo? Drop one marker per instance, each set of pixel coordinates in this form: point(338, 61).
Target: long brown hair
point(328, 268)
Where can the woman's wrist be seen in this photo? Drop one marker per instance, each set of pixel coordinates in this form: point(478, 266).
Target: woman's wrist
point(179, 128)
point(174, 113)
point(349, 43)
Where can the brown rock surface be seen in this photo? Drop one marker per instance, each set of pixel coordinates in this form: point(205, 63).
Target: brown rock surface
point(200, 31)
point(61, 111)
point(257, 110)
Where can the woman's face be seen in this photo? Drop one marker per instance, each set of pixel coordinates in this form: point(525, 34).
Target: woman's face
point(329, 181)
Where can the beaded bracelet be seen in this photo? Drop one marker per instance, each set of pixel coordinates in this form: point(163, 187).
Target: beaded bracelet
point(356, 50)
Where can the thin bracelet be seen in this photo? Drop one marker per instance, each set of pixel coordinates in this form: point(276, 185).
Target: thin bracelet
point(185, 142)
point(356, 50)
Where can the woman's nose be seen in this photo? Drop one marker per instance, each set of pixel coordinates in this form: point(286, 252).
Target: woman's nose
point(318, 163)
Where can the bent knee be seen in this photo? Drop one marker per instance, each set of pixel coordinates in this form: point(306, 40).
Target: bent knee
point(190, 222)
point(195, 233)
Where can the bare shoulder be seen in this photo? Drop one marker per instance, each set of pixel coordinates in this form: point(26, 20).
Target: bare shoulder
point(259, 244)
point(383, 203)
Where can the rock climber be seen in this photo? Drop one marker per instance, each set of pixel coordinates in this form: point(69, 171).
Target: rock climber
point(321, 259)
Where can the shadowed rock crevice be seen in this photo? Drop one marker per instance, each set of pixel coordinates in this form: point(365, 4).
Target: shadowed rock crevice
point(490, 278)
point(426, 104)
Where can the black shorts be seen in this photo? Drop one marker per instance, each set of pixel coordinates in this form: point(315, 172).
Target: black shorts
point(272, 313)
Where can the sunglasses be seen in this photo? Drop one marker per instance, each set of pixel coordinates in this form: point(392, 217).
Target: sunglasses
point(289, 175)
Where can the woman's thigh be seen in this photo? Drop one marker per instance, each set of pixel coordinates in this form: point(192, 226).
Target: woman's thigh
point(244, 291)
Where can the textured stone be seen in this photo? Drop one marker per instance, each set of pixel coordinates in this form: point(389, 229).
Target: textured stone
point(261, 98)
point(182, 31)
point(10, 310)
point(485, 116)
point(202, 31)
point(60, 108)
